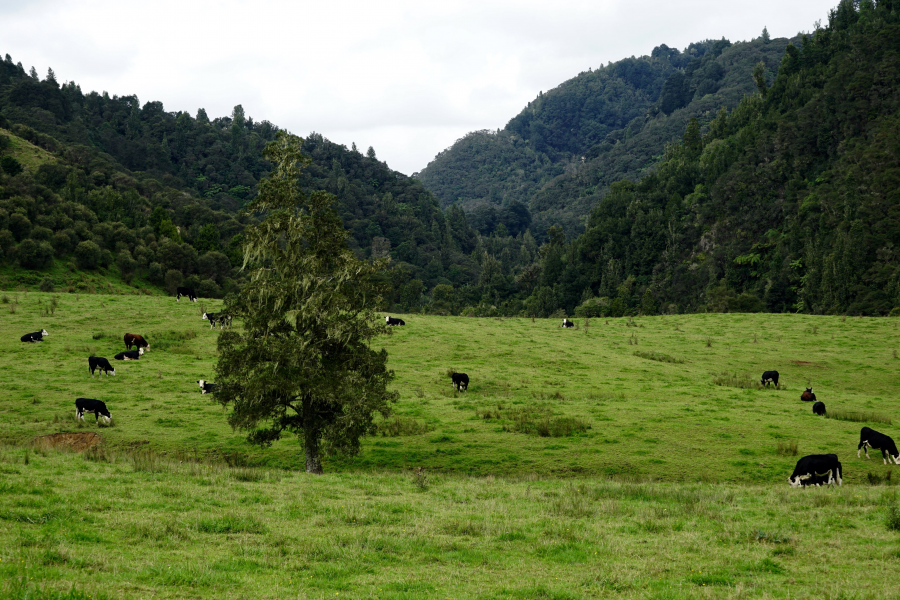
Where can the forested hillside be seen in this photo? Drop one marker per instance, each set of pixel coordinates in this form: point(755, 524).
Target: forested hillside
point(97, 190)
point(561, 153)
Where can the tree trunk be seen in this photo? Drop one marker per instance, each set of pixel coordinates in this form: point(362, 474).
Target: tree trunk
point(311, 439)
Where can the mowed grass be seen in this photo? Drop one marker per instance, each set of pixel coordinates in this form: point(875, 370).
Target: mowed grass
point(541, 400)
point(133, 526)
point(603, 461)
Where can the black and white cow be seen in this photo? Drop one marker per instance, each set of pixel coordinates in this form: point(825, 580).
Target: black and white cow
point(460, 381)
point(567, 324)
point(213, 318)
point(130, 355)
point(207, 387)
point(770, 377)
point(186, 292)
point(869, 438)
point(394, 322)
point(817, 466)
point(98, 407)
point(98, 362)
point(37, 336)
point(808, 395)
point(819, 409)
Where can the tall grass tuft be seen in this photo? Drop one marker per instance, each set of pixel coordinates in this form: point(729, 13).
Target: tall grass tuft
point(786, 448)
point(893, 518)
point(400, 426)
point(736, 381)
point(659, 357)
point(857, 416)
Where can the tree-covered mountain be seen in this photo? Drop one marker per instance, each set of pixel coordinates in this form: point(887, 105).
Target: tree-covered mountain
point(561, 153)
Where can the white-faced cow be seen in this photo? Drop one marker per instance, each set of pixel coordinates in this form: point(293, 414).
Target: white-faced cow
point(213, 318)
point(869, 438)
point(187, 293)
point(460, 381)
point(394, 322)
point(130, 355)
point(206, 387)
point(37, 336)
point(567, 324)
point(133, 339)
point(770, 377)
point(815, 467)
point(819, 409)
point(808, 395)
point(98, 407)
point(98, 362)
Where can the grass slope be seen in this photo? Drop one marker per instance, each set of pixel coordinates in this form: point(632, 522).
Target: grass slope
point(31, 156)
point(542, 399)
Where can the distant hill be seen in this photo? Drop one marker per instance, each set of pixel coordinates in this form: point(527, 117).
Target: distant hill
point(561, 153)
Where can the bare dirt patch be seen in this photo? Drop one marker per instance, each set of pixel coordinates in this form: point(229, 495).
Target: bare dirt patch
point(79, 442)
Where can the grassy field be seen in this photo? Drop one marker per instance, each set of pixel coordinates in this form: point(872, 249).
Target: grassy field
point(626, 458)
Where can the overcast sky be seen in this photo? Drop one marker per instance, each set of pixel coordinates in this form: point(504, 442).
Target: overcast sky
point(407, 78)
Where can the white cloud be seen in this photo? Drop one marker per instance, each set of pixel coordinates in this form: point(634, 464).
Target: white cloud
point(406, 77)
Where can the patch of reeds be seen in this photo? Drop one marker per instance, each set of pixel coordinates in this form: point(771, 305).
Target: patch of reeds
point(875, 479)
point(400, 426)
point(893, 518)
point(659, 357)
point(857, 416)
point(786, 448)
point(737, 381)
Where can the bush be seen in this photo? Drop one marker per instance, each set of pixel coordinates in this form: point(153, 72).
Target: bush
point(155, 272)
point(35, 255)
point(6, 240)
point(106, 258)
point(173, 280)
point(47, 284)
point(20, 226)
point(209, 289)
point(11, 166)
point(62, 243)
point(41, 234)
point(87, 255)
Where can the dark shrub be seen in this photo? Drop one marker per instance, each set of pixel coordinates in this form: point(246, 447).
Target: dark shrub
point(63, 242)
point(174, 279)
point(41, 234)
point(11, 166)
point(35, 255)
point(87, 255)
point(209, 289)
point(47, 284)
point(19, 225)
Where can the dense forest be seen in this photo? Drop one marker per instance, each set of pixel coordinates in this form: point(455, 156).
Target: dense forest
point(559, 156)
point(779, 192)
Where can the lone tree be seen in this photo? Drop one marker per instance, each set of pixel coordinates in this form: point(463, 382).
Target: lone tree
point(303, 362)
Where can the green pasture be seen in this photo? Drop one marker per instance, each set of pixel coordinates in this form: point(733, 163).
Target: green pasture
point(634, 399)
point(628, 458)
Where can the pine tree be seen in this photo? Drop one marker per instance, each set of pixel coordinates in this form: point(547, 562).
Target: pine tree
point(303, 362)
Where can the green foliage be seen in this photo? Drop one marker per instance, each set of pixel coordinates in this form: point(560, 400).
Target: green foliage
point(10, 165)
point(308, 314)
point(88, 255)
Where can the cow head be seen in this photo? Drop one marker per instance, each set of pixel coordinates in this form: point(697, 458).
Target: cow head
point(113, 372)
point(387, 319)
point(202, 382)
point(797, 480)
point(44, 332)
point(809, 390)
point(140, 351)
point(205, 317)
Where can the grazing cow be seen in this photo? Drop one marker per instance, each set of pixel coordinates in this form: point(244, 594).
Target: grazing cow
point(567, 323)
point(869, 438)
point(394, 322)
point(130, 355)
point(37, 336)
point(770, 377)
point(460, 381)
point(819, 409)
point(213, 318)
point(186, 292)
point(207, 387)
point(808, 395)
point(98, 362)
point(816, 466)
point(132, 339)
point(815, 480)
point(98, 407)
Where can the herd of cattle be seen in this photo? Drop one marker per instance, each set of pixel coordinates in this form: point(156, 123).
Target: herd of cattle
point(815, 469)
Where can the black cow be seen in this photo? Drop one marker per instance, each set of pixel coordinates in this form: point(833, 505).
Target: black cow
point(130, 355)
point(98, 407)
point(770, 377)
point(869, 438)
point(460, 381)
point(187, 292)
point(98, 362)
point(819, 409)
point(206, 387)
point(567, 323)
point(37, 336)
point(808, 395)
point(816, 466)
point(213, 318)
point(394, 322)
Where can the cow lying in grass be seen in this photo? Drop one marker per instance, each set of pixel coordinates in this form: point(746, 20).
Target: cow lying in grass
point(206, 387)
point(37, 336)
point(808, 395)
point(130, 355)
